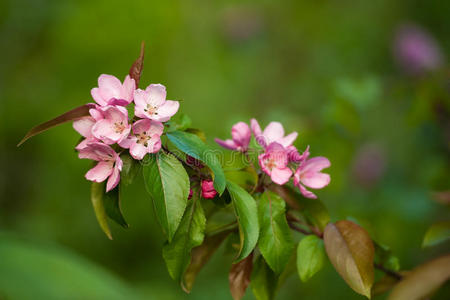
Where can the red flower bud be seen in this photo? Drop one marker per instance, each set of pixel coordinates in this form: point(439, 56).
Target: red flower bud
point(208, 191)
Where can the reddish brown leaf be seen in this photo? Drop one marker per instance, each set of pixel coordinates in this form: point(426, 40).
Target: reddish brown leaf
point(351, 252)
point(138, 66)
point(74, 114)
point(239, 277)
point(200, 256)
point(423, 280)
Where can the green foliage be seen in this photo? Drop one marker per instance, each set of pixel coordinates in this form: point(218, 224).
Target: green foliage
point(263, 280)
point(246, 214)
point(310, 257)
point(113, 207)
point(130, 169)
point(190, 234)
point(436, 234)
point(167, 183)
point(275, 240)
point(194, 146)
point(97, 199)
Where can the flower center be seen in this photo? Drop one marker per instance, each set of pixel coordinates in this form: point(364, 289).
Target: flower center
point(142, 138)
point(119, 127)
point(270, 163)
point(151, 110)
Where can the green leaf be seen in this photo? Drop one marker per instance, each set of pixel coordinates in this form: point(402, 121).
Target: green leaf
point(263, 280)
point(247, 217)
point(351, 252)
point(313, 210)
point(179, 122)
point(239, 277)
point(423, 280)
point(310, 256)
point(168, 185)
point(112, 206)
point(190, 234)
point(200, 256)
point(71, 115)
point(275, 240)
point(97, 198)
point(194, 146)
point(385, 258)
point(130, 169)
point(436, 234)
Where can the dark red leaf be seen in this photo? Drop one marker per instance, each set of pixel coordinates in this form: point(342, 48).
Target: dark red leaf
point(138, 66)
point(239, 277)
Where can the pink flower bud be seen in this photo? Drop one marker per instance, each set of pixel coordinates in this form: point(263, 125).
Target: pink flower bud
point(208, 191)
point(191, 192)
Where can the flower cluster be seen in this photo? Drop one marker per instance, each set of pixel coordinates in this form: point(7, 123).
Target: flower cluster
point(109, 129)
point(280, 159)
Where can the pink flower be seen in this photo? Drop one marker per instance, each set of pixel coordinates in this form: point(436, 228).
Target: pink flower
point(109, 164)
point(308, 174)
point(274, 132)
point(241, 135)
point(152, 103)
point(274, 163)
point(144, 139)
point(208, 191)
point(84, 127)
point(113, 127)
point(191, 193)
point(295, 156)
point(111, 91)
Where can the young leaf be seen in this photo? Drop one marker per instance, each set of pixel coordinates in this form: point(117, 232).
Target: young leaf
point(194, 146)
point(112, 207)
point(130, 169)
point(275, 241)
point(313, 210)
point(263, 280)
point(436, 234)
point(310, 256)
point(179, 122)
point(190, 234)
point(239, 277)
point(74, 114)
point(200, 256)
point(351, 252)
point(385, 258)
point(97, 193)
point(138, 66)
point(168, 185)
point(247, 217)
point(423, 280)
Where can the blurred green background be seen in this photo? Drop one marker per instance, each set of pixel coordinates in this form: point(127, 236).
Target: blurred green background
point(323, 68)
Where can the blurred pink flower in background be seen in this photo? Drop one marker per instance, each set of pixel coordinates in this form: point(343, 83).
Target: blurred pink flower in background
point(415, 50)
point(368, 165)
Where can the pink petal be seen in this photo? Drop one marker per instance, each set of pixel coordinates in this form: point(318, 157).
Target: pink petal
point(140, 98)
point(129, 85)
point(156, 128)
point(273, 132)
point(255, 127)
point(315, 180)
point(157, 94)
point(127, 142)
point(113, 180)
point(306, 193)
point(241, 134)
point(103, 130)
point(289, 139)
point(116, 114)
point(278, 154)
point(141, 126)
point(155, 144)
point(281, 175)
point(110, 87)
point(138, 151)
point(96, 114)
point(83, 126)
point(100, 172)
point(95, 93)
point(166, 110)
point(316, 164)
point(228, 144)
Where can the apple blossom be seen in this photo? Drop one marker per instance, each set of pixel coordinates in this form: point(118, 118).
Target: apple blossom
point(241, 136)
point(274, 132)
point(208, 191)
point(308, 174)
point(111, 91)
point(274, 162)
point(84, 127)
point(144, 139)
point(109, 164)
point(113, 127)
point(151, 103)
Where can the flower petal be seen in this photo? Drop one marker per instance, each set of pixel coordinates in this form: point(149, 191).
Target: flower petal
point(128, 87)
point(95, 93)
point(83, 126)
point(100, 172)
point(113, 180)
point(289, 139)
point(281, 175)
point(138, 151)
point(228, 144)
point(306, 193)
point(315, 180)
point(140, 98)
point(157, 94)
point(316, 164)
point(241, 134)
point(141, 126)
point(110, 87)
point(273, 132)
point(166, 110)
